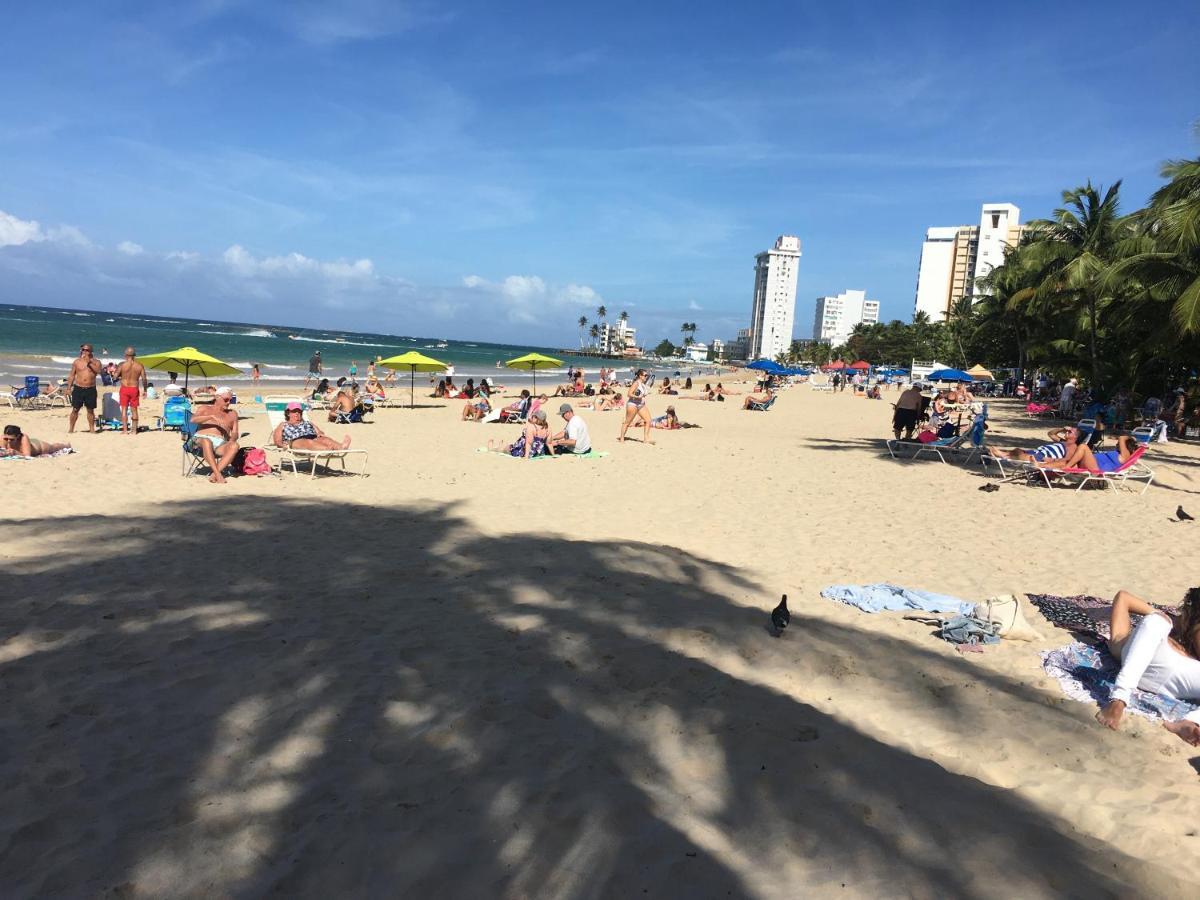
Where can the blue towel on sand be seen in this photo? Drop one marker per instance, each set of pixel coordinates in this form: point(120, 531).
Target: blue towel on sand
point(1089, 673)
point(874, 598)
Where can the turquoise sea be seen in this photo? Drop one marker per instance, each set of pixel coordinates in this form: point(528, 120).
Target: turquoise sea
point(41, 341)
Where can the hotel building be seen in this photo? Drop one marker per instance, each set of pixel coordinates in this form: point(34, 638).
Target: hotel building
point(953, 257)
point(837, 316)
point(774, 299)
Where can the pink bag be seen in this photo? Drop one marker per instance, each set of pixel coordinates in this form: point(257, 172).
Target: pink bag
point(255, 462)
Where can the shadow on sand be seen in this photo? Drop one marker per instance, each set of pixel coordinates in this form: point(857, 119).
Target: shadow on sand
point(418, 709)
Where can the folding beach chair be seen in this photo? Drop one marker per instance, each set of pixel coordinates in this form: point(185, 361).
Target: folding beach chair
point(27, 397)
point(193, 456)
point(762, 407)
point(176, 411)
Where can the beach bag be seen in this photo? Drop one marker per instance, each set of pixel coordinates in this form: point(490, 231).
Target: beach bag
point(927, 437)
point(254, 462)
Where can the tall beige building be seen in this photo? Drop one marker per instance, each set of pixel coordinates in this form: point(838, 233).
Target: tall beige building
point(952, 258)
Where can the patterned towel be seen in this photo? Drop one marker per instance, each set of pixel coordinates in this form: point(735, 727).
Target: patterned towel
point(1085, 617)
point(1087, 674)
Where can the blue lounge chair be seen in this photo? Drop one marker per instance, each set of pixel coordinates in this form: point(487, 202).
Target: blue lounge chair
point(176, 411)
point(762, 407)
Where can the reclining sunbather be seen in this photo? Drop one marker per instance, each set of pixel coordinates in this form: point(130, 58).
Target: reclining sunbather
point(476, 409)
point(298, 433)
point(757, 399)
point(1159, 656)
point(1083, 458)
point(1064, 441)
point(613, 401)
point(17, 443)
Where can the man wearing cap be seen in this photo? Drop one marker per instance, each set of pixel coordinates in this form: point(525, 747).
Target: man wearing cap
point(574, 438)
point(217, 434)
point(314, 368)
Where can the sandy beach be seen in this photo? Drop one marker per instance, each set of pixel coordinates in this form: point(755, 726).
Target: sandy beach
point(471, 676)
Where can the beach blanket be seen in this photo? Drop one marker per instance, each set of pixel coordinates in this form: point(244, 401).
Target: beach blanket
point(874, 598)
point(591, 454)
point(65, 451)
point(1085, 617)
point(1087, 674)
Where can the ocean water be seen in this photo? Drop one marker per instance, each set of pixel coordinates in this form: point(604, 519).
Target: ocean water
point(43, 342)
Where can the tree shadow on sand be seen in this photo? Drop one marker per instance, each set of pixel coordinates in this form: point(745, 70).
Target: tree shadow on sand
point(418, 709)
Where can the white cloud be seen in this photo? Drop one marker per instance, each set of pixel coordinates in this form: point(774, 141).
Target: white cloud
point(129, 248)
point(14, 231)
point(244, 263)
point(529, 299)
point(692, 304)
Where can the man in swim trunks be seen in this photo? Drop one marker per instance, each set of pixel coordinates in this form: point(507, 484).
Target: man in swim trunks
point(217, 434)
point(81, 385)
point(314, 368)
point(132, 375)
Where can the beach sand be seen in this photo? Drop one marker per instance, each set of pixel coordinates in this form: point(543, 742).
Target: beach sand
point(472, 676)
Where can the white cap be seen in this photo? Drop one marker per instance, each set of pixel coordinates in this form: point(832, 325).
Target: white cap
point(224, 390)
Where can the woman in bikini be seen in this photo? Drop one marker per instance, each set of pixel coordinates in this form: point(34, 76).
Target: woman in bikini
point(1083, 458)
point(603, 404)
point(635, 407)
point(16, 443)
point(1160, 656)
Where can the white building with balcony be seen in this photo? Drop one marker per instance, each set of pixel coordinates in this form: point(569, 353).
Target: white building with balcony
point(774, 309)
point(836, 316)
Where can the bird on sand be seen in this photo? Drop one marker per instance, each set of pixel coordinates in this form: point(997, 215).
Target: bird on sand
point(1182, 516)
point(780, 617)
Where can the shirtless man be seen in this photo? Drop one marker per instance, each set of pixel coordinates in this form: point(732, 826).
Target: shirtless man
point(132, 375)
point(81, 385)
point(217, 434)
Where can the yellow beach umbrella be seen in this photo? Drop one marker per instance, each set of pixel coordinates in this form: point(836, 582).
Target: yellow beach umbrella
point(533, 362)
point(414, 362)
point(187, 360)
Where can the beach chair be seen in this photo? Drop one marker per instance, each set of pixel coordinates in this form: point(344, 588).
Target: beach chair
point(27, 397)
point(192, 455)
point(287, 456)
point(1133, 469)
point(762, 407)
point(176, 411)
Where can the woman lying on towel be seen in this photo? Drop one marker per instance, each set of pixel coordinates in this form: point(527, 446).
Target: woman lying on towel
point(298, 433)
point(604, 404)
point(17, 443)
point(1082, 457)
point(1159, 656)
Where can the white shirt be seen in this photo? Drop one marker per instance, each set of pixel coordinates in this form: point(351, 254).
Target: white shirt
point(577, 431)
point(1150, 663)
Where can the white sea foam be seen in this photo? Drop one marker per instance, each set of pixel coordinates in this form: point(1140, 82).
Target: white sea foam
point(343, 343)
point(254, 332)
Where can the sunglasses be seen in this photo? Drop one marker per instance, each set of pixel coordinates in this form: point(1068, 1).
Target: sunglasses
point(85, 349)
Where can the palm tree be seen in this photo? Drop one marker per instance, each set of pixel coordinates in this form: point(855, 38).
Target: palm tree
point(582, 325)
point(601, 311)
point(1164, 255)
point(1080, 243)
point(684, 329)
point(624, 316)
point(595, 333)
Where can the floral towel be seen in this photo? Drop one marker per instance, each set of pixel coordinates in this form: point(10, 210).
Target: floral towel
point(1085, 617)
point(1087, 673)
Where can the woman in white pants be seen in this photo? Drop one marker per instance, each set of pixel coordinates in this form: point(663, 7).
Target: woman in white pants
point(1161, 655)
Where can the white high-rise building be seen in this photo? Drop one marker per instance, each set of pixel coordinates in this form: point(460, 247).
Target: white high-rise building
point(774, 299)
point(952, 258)
point(837, 316)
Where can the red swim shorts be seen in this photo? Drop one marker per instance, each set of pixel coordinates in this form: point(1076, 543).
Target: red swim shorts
point(129, 397)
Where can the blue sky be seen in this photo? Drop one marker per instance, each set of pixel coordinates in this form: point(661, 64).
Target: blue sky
point(496, 170)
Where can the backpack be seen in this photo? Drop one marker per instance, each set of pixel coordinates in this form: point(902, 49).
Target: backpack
point(255, 462)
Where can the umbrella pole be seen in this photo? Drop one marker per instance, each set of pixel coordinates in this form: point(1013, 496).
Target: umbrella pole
point(412, 377)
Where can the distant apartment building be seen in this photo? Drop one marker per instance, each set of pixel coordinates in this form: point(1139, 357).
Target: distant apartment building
point(837, 316)
point(739, 347)
point(774, 299)
point(617, 337)
point(718, 348)
point(953, 257)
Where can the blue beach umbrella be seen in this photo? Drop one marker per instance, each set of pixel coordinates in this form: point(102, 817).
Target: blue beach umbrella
point(950, 375)
point(763, 365)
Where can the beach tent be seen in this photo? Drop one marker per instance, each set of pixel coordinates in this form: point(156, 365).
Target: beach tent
point(533, 362)
point(979, 373)
point(185, 361)
point(949, 375)
point(861, 364)
point(414, 362)
point(837, 365)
